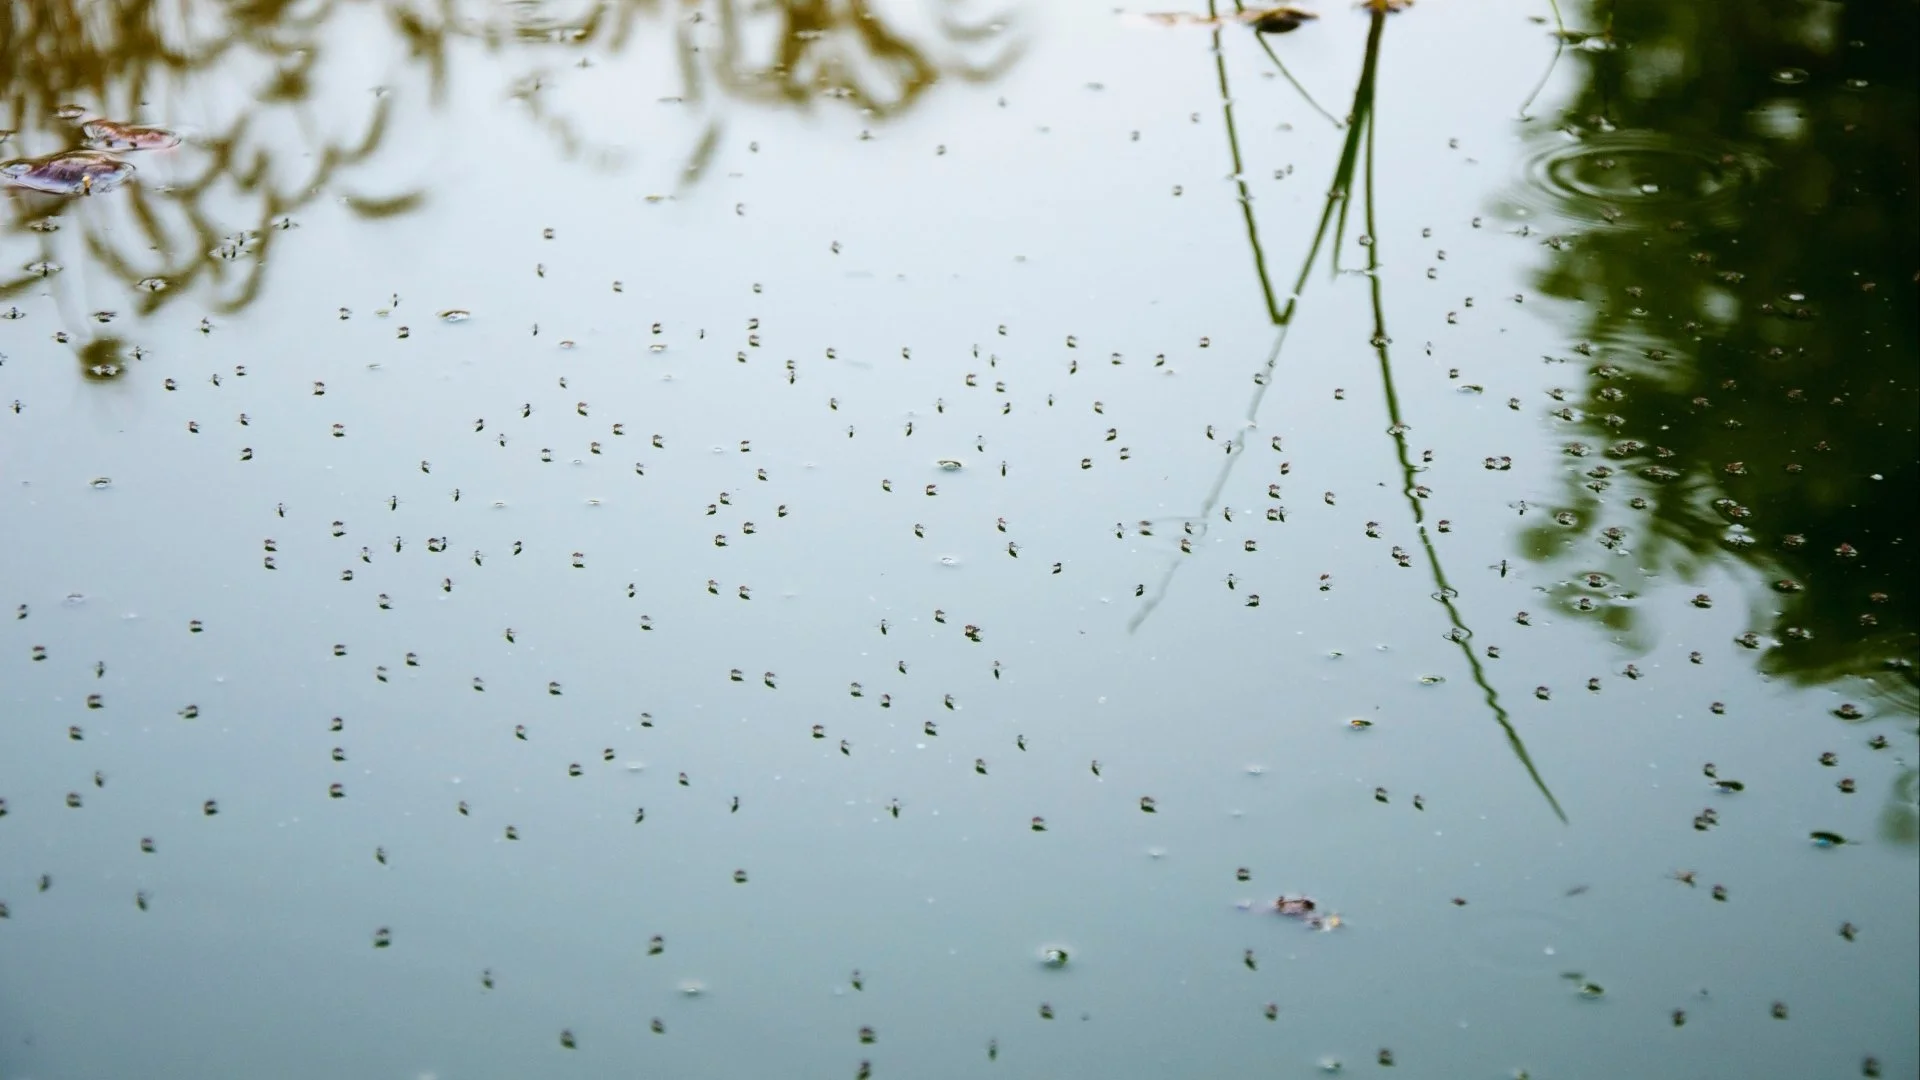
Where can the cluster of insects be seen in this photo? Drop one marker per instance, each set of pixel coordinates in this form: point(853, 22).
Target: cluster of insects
point(558, 566)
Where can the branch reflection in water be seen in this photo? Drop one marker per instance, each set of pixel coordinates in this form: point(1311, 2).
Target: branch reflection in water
point(272, 105)
point(253, 91)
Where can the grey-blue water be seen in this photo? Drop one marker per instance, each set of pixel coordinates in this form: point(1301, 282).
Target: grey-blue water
point(704, 540)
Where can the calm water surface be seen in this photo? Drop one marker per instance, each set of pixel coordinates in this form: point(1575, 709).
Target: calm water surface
point(703, 540)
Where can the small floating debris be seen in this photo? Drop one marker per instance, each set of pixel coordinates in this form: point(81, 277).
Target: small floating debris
point(455, 315)
point(1278, 20)
point(1824, 839)
point(1295, 906)
point(1307, 910)
point(70, 172)
point(109, 135)
point(1054, 956)
point(1273, 20)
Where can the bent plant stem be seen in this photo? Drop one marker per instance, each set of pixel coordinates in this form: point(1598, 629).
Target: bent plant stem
point(1282, 315)
point(1360, 124)
point(1261, 40)
point(1559, 48)
point(1459, 633)
point(1362, 120)
point(1239, 176)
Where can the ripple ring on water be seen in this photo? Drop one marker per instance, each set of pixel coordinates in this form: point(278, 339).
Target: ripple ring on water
point(1642, 176)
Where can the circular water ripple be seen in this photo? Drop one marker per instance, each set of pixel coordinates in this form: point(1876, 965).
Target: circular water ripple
point(1639, 176)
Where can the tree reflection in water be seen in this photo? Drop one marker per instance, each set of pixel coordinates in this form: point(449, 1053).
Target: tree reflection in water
point(245, 78)
point(1741, 226)
point(1754, 335)
point(274, 98)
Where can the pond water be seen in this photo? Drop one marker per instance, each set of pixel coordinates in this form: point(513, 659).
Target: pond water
point(828, 538)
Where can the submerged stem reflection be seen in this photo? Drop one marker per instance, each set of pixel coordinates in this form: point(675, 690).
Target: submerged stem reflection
point(1239, 172)
point(1356, 149)
point(1459, 632)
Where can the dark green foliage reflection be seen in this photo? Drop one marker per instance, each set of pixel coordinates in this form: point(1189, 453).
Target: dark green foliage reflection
point(1744, 223)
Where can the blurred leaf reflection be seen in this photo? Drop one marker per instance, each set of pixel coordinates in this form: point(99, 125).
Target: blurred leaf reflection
point(269, 93)
point(1745, 227)
point(245, 74)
